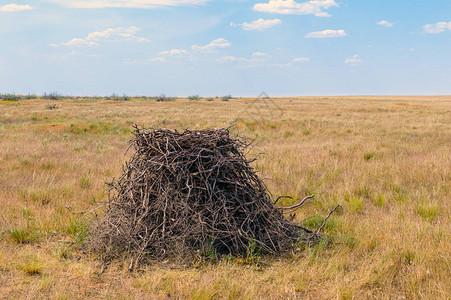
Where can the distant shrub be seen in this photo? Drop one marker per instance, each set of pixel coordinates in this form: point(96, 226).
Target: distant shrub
point(52, 96)
point(194, 97)
point(209, 99)
point(164, 98)
point(226, 98)
point(9, 97)
point(116, 97)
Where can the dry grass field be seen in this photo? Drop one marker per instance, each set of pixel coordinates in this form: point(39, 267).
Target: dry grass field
point(386, 160)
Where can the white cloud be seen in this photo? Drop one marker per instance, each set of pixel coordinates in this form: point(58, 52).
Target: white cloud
point(437, 27)
point(313, 7)
point(71, 55)
point(218, 43)
point(246, 63)
point(259, 54)
point(157, 59)
point(256, 57)
point(260, 24)
point(110, 34)
point(173, 52)
point(235, 59)
point(300, 59)
point(276, 65)
point(149, 4)
point(386, 23)
point(15, 7)
point(355, 60)
point(329, 33)
point(77, 53)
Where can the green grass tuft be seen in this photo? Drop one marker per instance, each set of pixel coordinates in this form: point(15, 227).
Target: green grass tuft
point(428, 212)
point(24, 234)
point(78, 230)
point(31, 265)
point(356, 204)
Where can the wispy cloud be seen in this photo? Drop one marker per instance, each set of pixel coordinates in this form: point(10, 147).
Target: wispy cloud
point(256, 59)
point(111, 35)
point(15, 7)
point(313, 7)
point(157, 59)
point(354, 60)
point(260, 24)
point(62, 57)
point(218, 43)
point(147, 4)
point(259, 54)
point(300, 59)
point(329, 33)
point(174, 52)
point(386, 23)
point(437, 27)
point(235, 59)
point(259, 60)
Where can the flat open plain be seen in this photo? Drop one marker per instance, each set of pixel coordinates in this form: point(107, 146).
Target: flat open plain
point(385, 159)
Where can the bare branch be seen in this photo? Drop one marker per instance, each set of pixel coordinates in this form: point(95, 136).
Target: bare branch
point(297, 205)
point(324, 223)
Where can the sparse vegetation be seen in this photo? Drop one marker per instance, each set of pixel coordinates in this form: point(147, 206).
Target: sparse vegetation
point(23, 234)
point(390, 241)
point(31, 265)
point(427, 211)
point(226, 98)
point(9, 97)
point(194, 97)
point(164, 98)
point(52, 96)
point(116, 97)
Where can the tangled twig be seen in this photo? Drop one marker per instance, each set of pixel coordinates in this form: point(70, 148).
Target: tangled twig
point(190, 191)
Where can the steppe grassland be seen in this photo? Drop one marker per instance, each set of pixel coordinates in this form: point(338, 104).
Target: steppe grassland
point(386, 160)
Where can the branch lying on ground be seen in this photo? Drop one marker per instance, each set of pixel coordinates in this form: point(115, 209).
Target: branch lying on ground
point(294, 206)
point(324, 222)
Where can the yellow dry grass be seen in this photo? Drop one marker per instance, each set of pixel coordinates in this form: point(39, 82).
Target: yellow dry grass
point(386, 160)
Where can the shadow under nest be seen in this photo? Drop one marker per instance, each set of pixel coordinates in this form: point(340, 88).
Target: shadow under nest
point(187, 192)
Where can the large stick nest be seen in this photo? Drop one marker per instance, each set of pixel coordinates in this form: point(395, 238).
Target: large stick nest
point(185, 192)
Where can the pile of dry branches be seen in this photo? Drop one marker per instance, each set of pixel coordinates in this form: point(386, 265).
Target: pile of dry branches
point(191, 191)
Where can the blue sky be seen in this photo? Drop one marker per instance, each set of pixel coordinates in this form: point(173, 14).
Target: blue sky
point(237, 47)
